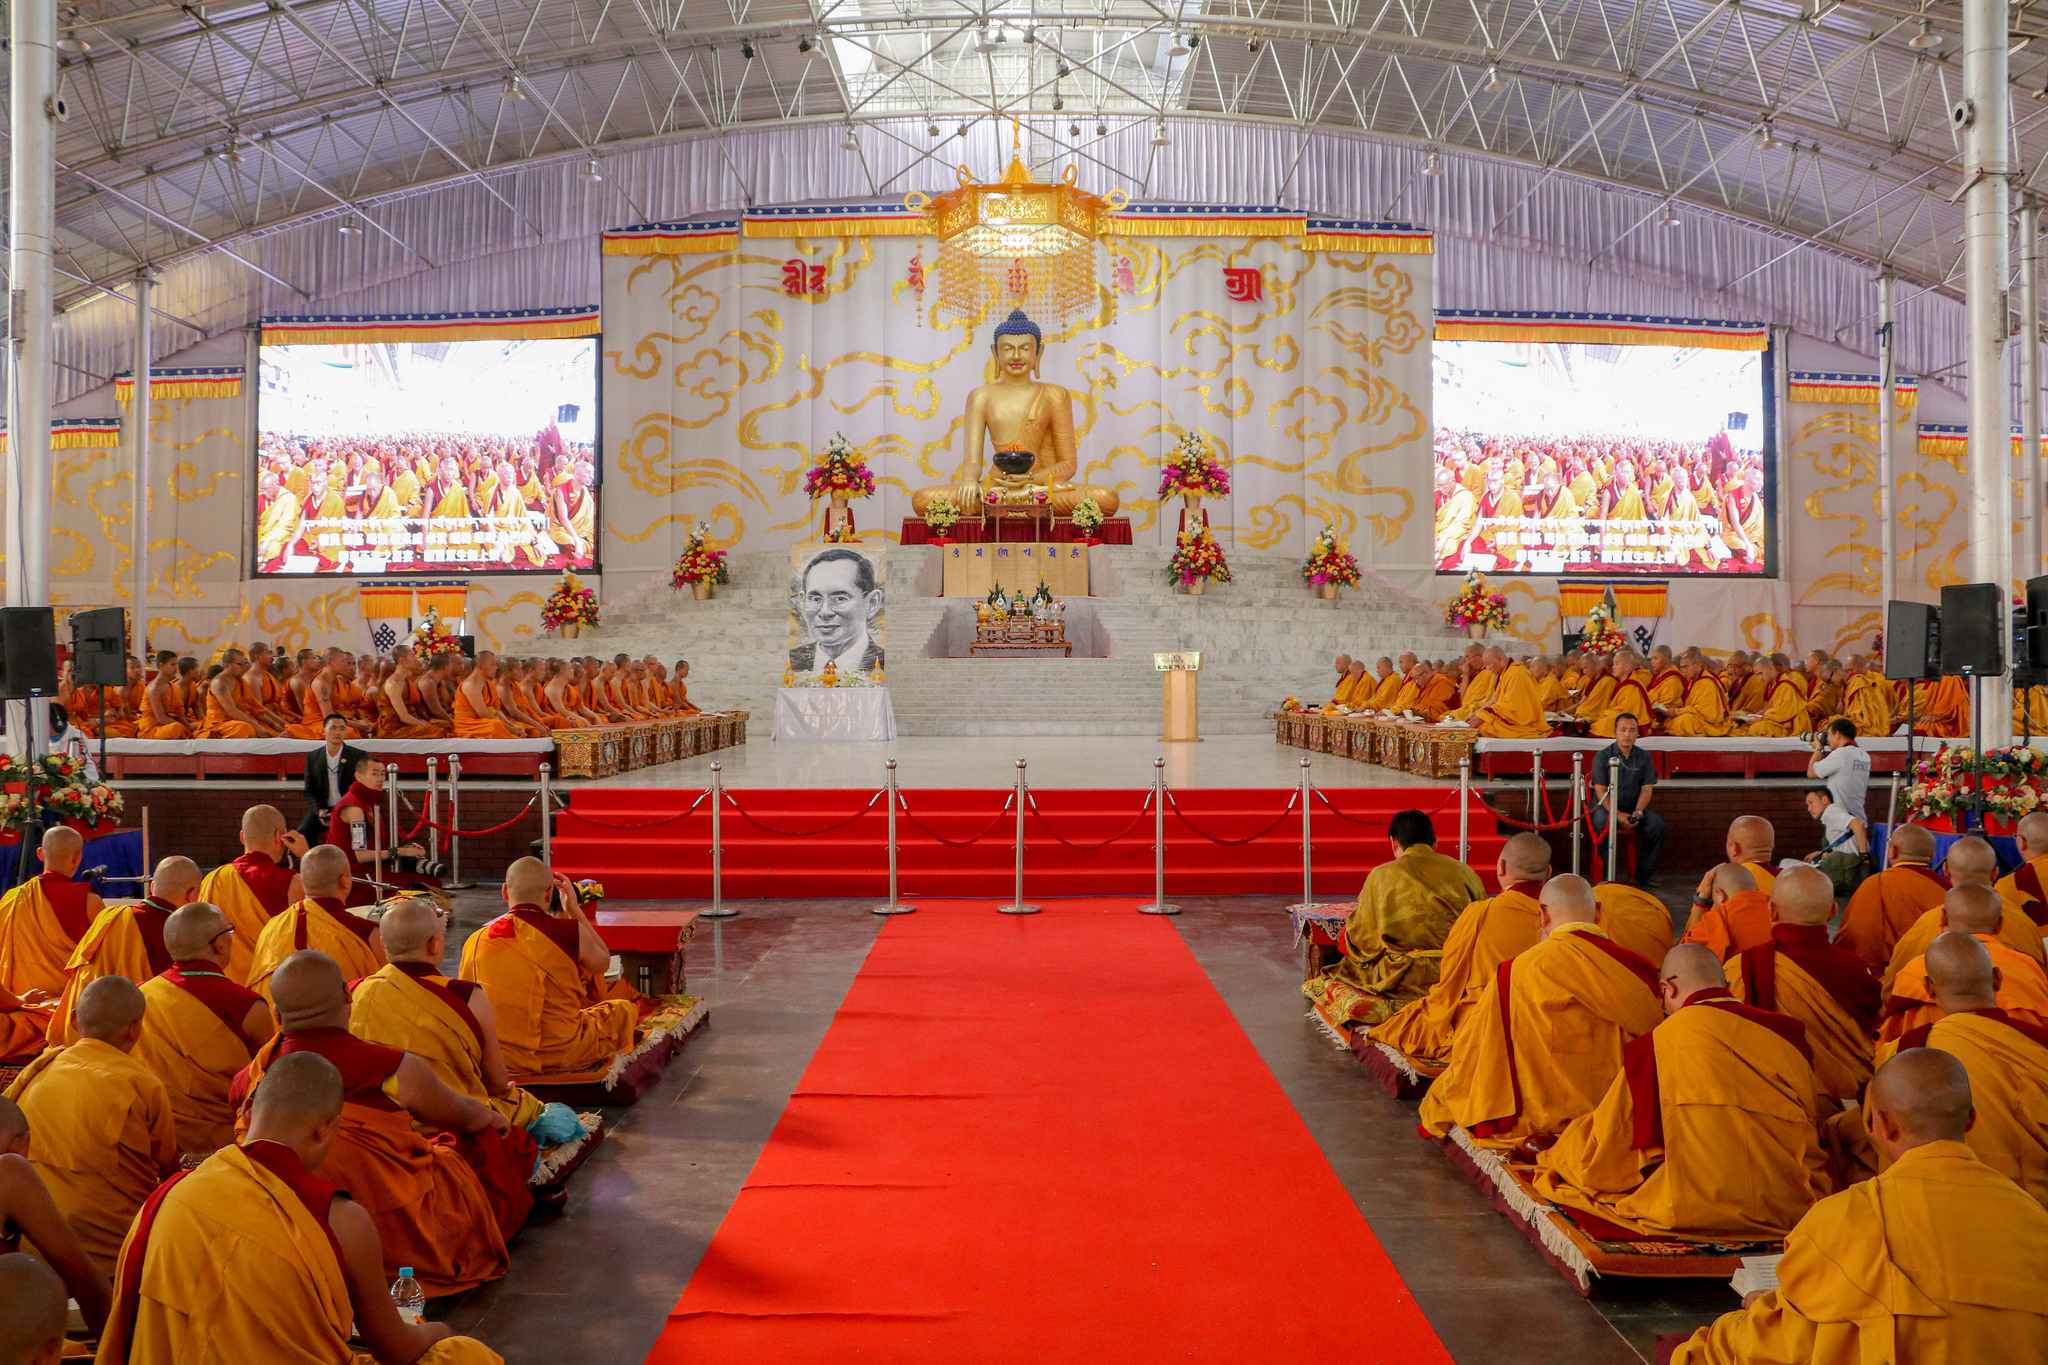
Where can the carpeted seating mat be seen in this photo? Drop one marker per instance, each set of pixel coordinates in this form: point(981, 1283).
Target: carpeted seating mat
point(1589, 1251)
point(676, 1020)
point(1039, 1139)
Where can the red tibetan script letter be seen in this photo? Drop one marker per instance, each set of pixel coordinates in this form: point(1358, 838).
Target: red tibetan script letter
point(1244, 283)
point(799, 279)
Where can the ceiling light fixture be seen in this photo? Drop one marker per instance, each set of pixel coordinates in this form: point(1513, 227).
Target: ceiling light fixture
point(1433, 164)
point(1670, 218)
point(931, 130)
point(593, 171)
point(1058, 103)
point(849, 143)
point(1251, 45)
point(1101, 129)
point(1179, 48)
point(1073, 130)
point(74, 45)
point(1160, 139)
point(962, 132)
point(746, 49)
point(1062, 71)
point(1926, 38)
point(515, 90)
point(1767, 137)
point(350, 227)
point(1493, 80)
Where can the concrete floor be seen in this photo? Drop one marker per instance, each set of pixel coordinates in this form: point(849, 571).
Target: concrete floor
point(596, 1283)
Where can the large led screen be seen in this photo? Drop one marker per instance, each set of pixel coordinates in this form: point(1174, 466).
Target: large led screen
point(416, 457)
point(1555, 458)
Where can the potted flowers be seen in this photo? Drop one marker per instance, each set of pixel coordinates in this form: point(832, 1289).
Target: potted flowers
point(1189, 471)
point(431, 636)
point(1197, 561)
point(1476, 609)
point(1088, 520)
point(1329, 566)
point(569, 608)
point(91, 808)
point(940, 517)
point(1601, 635)
point(700, 566)
point(840, 474)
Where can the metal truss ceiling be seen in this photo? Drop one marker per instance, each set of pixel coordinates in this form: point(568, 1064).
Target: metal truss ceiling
point(198, 127)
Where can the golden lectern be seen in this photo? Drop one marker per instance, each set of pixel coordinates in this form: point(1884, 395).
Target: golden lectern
point(1180, 706)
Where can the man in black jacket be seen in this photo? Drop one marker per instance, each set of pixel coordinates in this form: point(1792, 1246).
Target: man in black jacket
point(329, 771)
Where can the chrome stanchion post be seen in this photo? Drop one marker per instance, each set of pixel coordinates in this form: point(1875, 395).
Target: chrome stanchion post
point(1613, 818)
point(1578, 803)
point(433, 800)
point(147, 867)
point(455, 882)
point(391, 802)
point(1308, 874)
point(547, 812)
point(719, 909)
point(1464, 809)
point(1159, 905)
point(894, 907)
point(1536, 786)
point(1017, 905)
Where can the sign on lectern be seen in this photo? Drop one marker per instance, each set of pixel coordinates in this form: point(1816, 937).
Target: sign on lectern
point(1178, 672)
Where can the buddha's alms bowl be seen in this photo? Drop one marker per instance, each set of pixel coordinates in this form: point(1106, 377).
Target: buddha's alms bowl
point(1015, 461)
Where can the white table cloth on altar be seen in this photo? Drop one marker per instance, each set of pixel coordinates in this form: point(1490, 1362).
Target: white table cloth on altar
point(840, 714)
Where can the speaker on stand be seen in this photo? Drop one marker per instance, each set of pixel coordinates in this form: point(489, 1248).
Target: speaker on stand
point(28, 671)
point(1973, 647)
point(99, 657)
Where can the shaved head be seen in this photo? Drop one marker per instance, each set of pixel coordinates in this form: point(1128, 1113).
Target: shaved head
point(32, 1310)
point(409, 925)
point(174, 879)
point(261, 824)
point(528, 882)
point(323, 869)
point(1803, 895)
point(1973, 908)
point(1732, 879)
point(307, 991)
point(191, 929)
point(1693, 967)
point(62, 839)
point(1960, 971)
point(1750, 839)
point(1526, 857)
point(1925, 1092)
point(1915, 842)
point(1568, 900)
point(298, 1091)
point(2033, 829)
point(1971, 860)
point(108, 1007)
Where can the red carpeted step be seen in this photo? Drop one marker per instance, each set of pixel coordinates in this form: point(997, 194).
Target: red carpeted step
point(998, 1156)
point(788, 842)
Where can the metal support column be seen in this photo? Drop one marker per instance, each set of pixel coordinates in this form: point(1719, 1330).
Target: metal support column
point(718, 909)
point(433, 800)
point(139, 491)
point(1987, 257)
point(389, 862)
point(1464, 809)
point(455, 882)
point(547, 813)
point(2030, 387)
point(1017, 905)
point(894, 907)
point(31, 314)
point(1613, 868)
point(1159, 905)
point(1887, 420)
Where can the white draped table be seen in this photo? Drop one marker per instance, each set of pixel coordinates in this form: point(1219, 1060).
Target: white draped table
point(838, 714)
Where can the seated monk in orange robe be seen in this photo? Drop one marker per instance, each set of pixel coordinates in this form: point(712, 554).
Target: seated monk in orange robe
point(161, 712)
point(1704, 711)
point(1547, 1034)
point(1736, 916)
point(1896, 1269)
point(477, 715)
point(125, 940)
point(2026, 890)
point(430, 1207)
point(1973, 909)
point(1828, 989)
point(1485, 934)
point(679, 690)
point(1717, 1082)
point(1785, 706)
point(100, 1129)
point(41, 922)
point(1635, 919)
point(221, 702)
point(543, 968)
point(252, 1257)
point(1890, 902)
point(29, 1213)
point(1971, 861)
point(1751, 841)
point(321, 921)
point(257, 886)
point(401, 710)
point(199, 1027)
point(1515, 711)
point(1944, 711)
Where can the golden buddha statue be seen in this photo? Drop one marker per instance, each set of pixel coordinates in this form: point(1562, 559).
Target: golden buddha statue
point(1032, 426)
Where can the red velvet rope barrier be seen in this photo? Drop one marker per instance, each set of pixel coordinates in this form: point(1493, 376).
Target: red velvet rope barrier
point(1087, 848)
point(1292, 802)
point(650, 824)
point(453, 832)
point(801, 833)
point(1449, 797)
point(1008, 803)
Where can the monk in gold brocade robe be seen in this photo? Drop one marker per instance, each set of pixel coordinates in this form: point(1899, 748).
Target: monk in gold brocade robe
point(1546, 1035)
point(1895, 1271)
point(1717, 1081)
point(256, 887)
point(1393, 942)
point(321, 921)
point(41, 922)
point(199, 1028)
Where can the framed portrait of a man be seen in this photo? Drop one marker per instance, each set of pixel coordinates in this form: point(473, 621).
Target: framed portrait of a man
point(835, 609)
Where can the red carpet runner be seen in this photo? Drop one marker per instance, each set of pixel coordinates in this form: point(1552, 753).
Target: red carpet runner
point(1041, 1139)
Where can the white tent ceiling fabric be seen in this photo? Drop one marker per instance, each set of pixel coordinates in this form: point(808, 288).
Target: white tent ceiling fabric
point(1572, 245)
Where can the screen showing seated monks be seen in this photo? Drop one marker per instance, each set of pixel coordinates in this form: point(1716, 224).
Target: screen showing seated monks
point(1557, 458)
point(400, 457)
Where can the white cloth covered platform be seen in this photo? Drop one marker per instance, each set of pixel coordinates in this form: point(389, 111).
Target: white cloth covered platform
point(300, 746)
point(849, 715)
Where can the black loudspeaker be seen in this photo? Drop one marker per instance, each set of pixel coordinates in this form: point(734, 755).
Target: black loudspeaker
point(1972, 631)
point(467, 644)
point(99, 640)
point(1912, 640)
point(2034, 636)
point(28, 651)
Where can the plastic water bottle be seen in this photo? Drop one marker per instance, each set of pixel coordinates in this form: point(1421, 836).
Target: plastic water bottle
point(410, 1298)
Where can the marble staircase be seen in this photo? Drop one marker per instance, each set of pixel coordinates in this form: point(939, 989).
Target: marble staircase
point(1263, 636)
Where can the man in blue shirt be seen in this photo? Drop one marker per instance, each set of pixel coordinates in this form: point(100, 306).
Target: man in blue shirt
point(1634, 781)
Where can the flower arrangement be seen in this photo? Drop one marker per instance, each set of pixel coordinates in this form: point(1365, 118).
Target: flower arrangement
point(1475, 606)
point(941, 515)
point(1291, 704)
point(1197, 555)
point(430, 637)
point(570, 604)
point(1947, 784)
point(699, 563)
point(1189, 469)
point(839, 472)
point(849, 678)
point(589, 892)
point(51, 770)
point(1601, 635)
point(1088, 517)
point(61, 790)
point(842, 534)
point(1328, 562)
